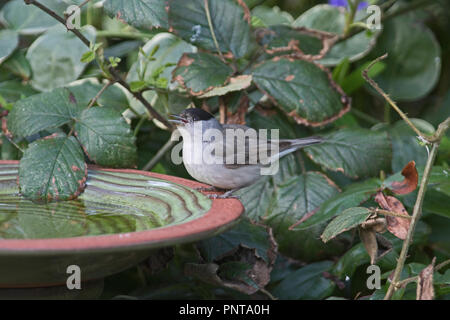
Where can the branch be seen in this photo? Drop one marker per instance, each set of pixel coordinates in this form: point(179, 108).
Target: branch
point(114, 73)
point(417, 212)
point(390, 213)
point(365, 75)
point(59, 18)
point(161, 152)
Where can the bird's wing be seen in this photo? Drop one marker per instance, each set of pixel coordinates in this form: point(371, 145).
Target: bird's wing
point(249, 148)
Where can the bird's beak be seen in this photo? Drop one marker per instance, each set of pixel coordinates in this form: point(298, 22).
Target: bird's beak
point(178, 119)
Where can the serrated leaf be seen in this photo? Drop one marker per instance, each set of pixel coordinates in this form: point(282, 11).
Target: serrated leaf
point(9, 41)
point(332, 19)
point(52, 168)
point(235, 84)
point(201, 72)
point(306, 283)
point(272, 16)
point(354, 152)
point(106, 137)
point(85, 90)
point(55, 57)
point(302, 90)
point(299, 197)
point(352, 196)
point(231, 26)
point(43, 111)
point(144, 14)
point(345, 221)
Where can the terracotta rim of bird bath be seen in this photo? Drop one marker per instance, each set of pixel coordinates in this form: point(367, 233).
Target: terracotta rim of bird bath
point(223, 213)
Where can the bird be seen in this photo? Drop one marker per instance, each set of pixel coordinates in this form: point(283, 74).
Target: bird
point(213, 153)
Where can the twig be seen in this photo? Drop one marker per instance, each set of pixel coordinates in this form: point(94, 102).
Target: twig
point(415, 278)
point(390, 213)
point(67, 17)
point(365, 74)
point(435, 141)
point(166, 147)
point(417, 212)
point(93, 100)
point(59, 18)
point(211, 29)
point(113, 72)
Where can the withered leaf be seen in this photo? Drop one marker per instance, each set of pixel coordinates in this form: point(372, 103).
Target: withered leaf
point(409, 184)
point(241, 259)
point(376, 245)
point(396, 225)
point(425, 289)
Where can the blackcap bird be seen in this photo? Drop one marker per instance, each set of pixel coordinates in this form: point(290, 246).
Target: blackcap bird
point(230, 156)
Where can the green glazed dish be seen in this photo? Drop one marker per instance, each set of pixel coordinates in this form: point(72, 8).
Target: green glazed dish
point(122, 216)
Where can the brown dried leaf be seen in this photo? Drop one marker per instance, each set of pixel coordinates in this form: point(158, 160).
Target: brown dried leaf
point(409, 184)
point(396, 225)
point(376, 245)
point(425, 289)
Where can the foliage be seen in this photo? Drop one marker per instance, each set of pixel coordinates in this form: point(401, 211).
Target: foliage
point(101, 94)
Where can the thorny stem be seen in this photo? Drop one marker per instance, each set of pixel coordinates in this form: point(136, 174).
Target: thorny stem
point(417, 211)
point(113, 72)
point(404, 282)
point(91, 103)
point(390, 213)
point(366, 76)
point(435, 141)
point(166, 147)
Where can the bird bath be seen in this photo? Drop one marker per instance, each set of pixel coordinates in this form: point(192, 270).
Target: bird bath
point(122, 216)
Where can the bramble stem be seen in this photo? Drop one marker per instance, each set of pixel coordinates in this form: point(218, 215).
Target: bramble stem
point(113, 72)
point(435, 141)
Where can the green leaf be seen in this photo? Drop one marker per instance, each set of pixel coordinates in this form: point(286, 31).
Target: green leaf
point(106, 137)
point(85, 90)
point(306, 283)
point(276, 37)
point(271, 16)
point(55, 57)
point(355, 80)
point(169, 50)
point(18, 65)
point(28, 19)
point(300, 196)
point(412, 68)
point(230, 25)
point(52, 169)
point(331, 19)
point(347, 220)
point(9, 41)
point(13, 90)
point(88, 56)
point(246, 234)
point(201, 72)
point(354, 195)
point(354, 152)
point(43, 111)
point(301, 89)
point(144, 14)
point(406, 146)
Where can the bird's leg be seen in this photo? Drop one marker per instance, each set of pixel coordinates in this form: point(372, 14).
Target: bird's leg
point(206, 189)
point(226, 195)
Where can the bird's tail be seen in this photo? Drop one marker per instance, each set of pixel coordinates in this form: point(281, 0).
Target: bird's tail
point(304, 142)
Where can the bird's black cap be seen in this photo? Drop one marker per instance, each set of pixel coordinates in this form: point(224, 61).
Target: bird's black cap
point(196, 114)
